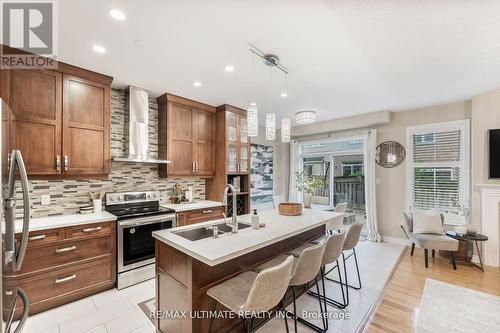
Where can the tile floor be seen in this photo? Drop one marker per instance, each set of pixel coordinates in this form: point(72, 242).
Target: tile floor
point(116, 311)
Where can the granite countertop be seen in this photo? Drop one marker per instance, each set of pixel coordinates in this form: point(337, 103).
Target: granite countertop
point(229, 246)
point(61, 221)
point(201, 204)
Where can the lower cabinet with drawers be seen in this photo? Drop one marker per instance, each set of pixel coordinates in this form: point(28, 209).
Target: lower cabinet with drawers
point(62, 265)
point(199, 215)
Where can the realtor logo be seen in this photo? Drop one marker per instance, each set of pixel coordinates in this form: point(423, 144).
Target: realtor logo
point(30, 27)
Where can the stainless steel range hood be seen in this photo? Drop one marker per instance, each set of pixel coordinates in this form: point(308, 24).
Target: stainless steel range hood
point(138, 145)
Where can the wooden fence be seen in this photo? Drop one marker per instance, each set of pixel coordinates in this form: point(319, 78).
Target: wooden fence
point(350, 189)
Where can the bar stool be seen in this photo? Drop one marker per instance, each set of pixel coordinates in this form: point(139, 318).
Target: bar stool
point(334, 225)
point(350, 242)
point(333, 250)
point(251, 292)
point(307, 266)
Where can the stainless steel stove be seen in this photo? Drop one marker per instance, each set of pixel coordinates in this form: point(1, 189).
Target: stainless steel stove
point(139, 214)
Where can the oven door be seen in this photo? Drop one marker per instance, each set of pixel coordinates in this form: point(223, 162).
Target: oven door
point(136, 245)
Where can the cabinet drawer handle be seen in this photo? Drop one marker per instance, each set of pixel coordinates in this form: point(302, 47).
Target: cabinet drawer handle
point(66, 162)
point(37, 237)
point(66, 249)
point(207, 211)
point(58, 163)
point(92, 229)
point(65, 279)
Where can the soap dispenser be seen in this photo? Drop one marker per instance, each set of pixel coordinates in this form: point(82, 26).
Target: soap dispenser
point(255, 220)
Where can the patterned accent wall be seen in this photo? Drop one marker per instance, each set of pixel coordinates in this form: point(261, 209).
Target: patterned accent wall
point(67, 196)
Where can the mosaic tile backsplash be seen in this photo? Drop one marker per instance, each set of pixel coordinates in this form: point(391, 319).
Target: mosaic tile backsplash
point(67, 196)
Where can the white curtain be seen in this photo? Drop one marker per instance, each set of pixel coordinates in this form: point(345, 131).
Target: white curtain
point(296, 164)
point(370, 146)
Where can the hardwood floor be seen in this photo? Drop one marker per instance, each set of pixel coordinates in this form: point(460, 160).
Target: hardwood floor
point(399, 307)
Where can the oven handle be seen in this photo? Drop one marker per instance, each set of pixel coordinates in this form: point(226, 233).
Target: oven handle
point(146, 221)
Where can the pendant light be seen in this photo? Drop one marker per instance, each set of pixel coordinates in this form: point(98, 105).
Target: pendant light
point(270, 126)
point(285, 129)
point(270, 117)
point(252, 111)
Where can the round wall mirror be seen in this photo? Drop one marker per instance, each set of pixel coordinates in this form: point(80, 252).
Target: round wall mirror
point(390, 154)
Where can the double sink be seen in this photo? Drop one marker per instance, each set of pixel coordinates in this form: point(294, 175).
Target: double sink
point(203, 232)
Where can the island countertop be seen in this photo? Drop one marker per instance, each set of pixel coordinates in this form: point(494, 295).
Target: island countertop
point(229, 246)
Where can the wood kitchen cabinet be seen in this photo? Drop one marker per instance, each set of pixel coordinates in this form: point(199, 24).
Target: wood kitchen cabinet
point(85, 126)
point(199, 215)
point(62, 265)
point(232, 158)
point(35, 98)
point(186, 137)
point(59, 120)
point(238, 146)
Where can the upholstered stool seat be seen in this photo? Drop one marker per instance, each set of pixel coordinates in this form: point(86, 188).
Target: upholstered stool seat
point(252, 292)
point(306, 266)
point(234, 292)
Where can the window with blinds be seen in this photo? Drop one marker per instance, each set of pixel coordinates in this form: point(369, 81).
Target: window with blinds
point(437, 167)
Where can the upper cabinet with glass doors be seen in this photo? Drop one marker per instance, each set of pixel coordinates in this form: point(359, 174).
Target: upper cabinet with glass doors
point(238, 144)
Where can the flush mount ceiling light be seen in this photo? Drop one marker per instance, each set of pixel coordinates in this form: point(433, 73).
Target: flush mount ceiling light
point(305, 117)
point(197, 84)
point(229, 68)
point(98, 48)
point(117, 14)
point(283, 94)
point(285, 129)
point(270, 126)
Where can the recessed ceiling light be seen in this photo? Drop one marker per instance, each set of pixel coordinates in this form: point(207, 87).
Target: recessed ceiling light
point(283, 94)
point(229, 68)
point(253, 104)
point(98, 48)
point(197, 84)
point(117, 14)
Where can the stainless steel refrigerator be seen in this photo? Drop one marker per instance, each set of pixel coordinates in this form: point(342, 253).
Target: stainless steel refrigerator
point(13, 250)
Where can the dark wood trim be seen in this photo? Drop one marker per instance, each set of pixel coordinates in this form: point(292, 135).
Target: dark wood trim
point(186, 101)
point(233, 109)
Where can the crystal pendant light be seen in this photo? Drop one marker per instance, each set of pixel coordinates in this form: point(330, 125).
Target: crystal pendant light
point(253, 121)
point(253, 112)
point(270, 126)
point(285, 130)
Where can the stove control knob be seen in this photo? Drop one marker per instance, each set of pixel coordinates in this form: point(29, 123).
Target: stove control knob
point(111, 199)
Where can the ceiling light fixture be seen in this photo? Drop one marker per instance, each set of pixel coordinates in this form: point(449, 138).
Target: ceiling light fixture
point(197, 84)
point(253, 112)
point(305, 117)
point(98, 48)
point(229, 68)
point(283, 94)
point(285, 129)
point(270, 126)
point(117, 14)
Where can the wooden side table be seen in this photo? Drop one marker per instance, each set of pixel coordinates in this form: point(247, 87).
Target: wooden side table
point(473, 239)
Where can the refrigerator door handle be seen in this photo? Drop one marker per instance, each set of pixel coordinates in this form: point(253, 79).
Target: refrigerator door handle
point(24, 316)
point(10, 233)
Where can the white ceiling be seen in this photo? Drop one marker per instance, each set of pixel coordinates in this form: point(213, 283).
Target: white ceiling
point(345, 57)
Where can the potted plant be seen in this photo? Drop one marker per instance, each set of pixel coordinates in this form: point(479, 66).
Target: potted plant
point(307, 185)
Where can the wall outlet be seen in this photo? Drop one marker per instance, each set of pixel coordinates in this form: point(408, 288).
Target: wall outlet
point(45, 199)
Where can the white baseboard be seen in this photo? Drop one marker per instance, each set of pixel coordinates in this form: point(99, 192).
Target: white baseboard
point(396, 240)
point(475, 259)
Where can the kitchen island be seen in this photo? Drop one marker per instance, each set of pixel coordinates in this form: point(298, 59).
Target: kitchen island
point(186, 269)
